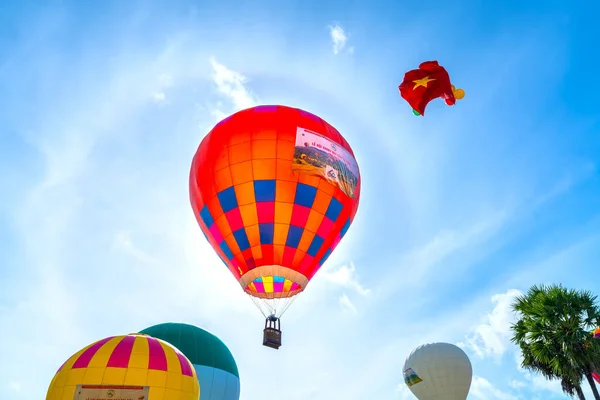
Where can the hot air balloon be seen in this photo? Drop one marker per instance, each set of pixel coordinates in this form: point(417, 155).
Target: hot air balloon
point(596, 333)
point(274, 189)
point(215, 366)
point(126, 367)
point(439, 371)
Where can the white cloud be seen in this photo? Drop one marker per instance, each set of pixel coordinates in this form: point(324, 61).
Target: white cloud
point(482, 389)
point(85, 205)
point(159, 96)
point(447, 242)
point(164, 81)
point(344, 276)
point(14, 386)
point(347, 305)
point(230, 84)
point(142, 216)
point(404, 392)
point(102, 199)
point(123, 242)
point(427, 262)
point(491, 337)
point(517, 384)
point(537, 382)
point(338, 37)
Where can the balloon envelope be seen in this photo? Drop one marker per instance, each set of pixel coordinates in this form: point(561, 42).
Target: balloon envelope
point(274, 189)
point(214, 364)
point(126, 366)
point(438, 371)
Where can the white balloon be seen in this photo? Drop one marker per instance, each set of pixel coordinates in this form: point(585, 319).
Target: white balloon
point(438, 371)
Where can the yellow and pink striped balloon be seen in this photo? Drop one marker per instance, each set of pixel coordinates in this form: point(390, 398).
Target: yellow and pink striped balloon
point(128, 361)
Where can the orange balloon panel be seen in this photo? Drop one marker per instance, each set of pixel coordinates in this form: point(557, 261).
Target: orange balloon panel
point(274, 189)
point(127, 361)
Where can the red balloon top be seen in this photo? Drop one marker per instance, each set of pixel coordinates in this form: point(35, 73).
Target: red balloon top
point(274, 189)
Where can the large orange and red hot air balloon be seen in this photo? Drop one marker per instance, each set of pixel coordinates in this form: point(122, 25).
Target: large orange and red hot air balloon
point(274, 189)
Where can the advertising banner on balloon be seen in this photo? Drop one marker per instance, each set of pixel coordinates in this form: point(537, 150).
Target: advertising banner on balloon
point(111, 392)
point(411, 377)
point(317, 155)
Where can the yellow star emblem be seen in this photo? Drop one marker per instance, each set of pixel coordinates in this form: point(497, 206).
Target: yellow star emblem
point(422, 82)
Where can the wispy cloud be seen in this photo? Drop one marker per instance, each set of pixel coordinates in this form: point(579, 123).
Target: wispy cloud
point(98, 193)
point(339, 38)
point(482, 389)
point(231, 85)
point(15, 386)
point(536, 382)
point(110, 130)
point(426, 262)
point(165, 81)
point(124, 243)
point(491, 337)
point(404, 392)
point(344, 276)
point(517, 384)
point(347, 305)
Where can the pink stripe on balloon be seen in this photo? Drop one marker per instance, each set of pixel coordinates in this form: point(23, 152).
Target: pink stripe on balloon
point(260, 288)
point(186, 367)
point(122, 353)
point(85, 357)
point(157, 359)
point(265, 211)
point(325, 227)
point(596, 377)
point(234, 219)
point(299, 215)
point(216, 234)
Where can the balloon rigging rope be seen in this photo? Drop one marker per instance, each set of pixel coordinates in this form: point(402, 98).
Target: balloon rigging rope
point(273, 306)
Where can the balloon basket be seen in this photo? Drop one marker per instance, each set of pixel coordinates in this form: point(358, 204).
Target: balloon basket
point(272, 333)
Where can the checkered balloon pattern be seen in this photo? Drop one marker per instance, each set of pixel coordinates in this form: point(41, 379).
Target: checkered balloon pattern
point(273, 227)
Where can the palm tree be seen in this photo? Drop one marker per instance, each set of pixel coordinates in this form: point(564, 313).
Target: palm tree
point(570, 382)
point(553, 334)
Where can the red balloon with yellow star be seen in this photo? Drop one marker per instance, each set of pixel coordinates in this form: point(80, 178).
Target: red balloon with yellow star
point(426, 83)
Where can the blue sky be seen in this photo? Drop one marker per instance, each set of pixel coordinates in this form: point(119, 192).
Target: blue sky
point(104, 106)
